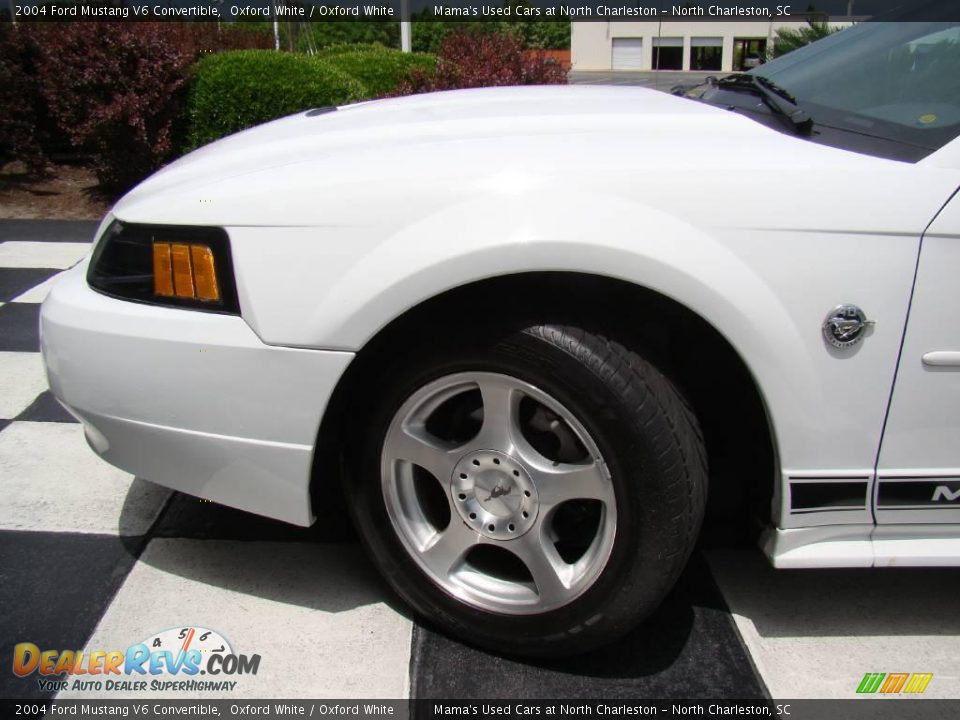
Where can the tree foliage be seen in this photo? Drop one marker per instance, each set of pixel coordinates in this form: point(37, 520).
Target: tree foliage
point(112, 91)
point(789, 39)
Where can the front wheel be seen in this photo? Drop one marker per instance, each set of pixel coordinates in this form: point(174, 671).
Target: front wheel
point(536, 494)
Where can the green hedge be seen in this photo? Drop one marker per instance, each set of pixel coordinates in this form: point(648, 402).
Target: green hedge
point(235, 90)
point(378, 68)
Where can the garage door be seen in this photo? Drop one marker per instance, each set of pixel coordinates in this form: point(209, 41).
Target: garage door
point(628, 53)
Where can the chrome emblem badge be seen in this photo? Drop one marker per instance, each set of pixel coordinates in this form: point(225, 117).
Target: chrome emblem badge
point(499, 491)
point(845, 326)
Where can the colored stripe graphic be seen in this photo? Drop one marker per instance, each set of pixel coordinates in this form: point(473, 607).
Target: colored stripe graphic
point(893, 683)
point(870, 683)
point(918, 682)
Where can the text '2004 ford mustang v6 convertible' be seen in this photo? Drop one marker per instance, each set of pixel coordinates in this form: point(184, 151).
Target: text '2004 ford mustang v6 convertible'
point(520, 324)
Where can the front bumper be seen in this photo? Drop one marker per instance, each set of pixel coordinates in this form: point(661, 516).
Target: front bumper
point(191, 400)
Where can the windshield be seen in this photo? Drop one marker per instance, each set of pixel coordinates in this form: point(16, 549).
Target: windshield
point(899, 81)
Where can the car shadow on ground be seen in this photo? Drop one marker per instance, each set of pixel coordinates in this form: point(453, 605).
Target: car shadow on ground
point(321, 567)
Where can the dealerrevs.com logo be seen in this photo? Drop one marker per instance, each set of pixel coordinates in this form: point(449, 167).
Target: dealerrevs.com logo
point(894, 683)
point(167, 661)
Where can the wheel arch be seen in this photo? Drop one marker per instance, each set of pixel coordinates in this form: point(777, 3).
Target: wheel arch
point(738, 429)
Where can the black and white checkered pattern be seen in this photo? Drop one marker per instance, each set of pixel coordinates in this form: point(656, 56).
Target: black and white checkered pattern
point(93, 558)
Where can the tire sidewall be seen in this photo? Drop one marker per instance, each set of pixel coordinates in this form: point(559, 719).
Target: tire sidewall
point(630, 585)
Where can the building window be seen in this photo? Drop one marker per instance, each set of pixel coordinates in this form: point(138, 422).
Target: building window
point(748, 53)
point(706, 53)
point(667, 53)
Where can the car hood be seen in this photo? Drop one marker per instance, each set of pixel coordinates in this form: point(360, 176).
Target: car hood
point(447, 138)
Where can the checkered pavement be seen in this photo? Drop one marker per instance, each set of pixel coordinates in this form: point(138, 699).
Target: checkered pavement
point(93, 558)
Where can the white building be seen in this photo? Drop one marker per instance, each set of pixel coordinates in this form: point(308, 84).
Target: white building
point(689, 45)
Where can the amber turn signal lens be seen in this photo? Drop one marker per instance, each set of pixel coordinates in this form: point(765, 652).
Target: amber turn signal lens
point(204, 273)
point(162, 270)
point(184, 271)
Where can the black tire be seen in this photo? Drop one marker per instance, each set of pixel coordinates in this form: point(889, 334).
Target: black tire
point(642, 427)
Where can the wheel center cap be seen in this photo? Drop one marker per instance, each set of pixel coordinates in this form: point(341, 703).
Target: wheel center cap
point(494, 494)
point(497, 493)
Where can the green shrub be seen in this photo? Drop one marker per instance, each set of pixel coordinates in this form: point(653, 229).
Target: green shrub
point(236, 90)
point(379, 69)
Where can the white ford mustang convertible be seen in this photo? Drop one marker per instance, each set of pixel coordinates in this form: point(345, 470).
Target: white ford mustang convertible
point(523, 327)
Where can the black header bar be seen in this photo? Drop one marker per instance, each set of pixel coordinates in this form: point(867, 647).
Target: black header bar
point(760, 11)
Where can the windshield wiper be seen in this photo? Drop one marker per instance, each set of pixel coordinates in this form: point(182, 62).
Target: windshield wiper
point(779, 100)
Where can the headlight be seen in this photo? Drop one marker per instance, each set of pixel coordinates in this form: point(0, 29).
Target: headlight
point(171, 265)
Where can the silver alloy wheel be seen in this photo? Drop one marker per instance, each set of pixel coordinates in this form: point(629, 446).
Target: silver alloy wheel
point(500, 491)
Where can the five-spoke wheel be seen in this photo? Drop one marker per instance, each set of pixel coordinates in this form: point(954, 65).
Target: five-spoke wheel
point(537, 492)
point(519, 517)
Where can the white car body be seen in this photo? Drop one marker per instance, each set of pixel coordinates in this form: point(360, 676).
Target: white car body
point(340, 223)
